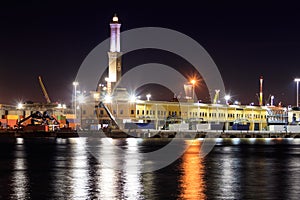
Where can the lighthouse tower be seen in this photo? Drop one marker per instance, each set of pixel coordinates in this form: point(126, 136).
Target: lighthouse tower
point(114, 55)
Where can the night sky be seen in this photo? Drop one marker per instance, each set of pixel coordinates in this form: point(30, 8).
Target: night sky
point(246, 40)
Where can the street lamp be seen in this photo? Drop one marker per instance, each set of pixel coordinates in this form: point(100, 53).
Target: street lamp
point(75, 84)
point(81, 100)
point(227, 98)
point(20, 106)
point(193, 81)
point(132, 98)
point(297, 81)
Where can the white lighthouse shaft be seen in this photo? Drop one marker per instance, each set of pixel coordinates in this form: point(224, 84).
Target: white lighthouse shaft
point(114, 55)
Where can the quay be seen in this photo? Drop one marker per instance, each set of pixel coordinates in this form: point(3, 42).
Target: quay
point(189, 134)
point(118, 134)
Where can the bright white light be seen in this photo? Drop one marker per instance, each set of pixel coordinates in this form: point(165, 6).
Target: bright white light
point(64, 106)
point(236, 141)
point(115, 19)
point(81, 99)
point(59, 106)
point(96, 95)
point(132, 98)
point(107, 99)
point(75, 83)
point(148, 97)
point(227, 97)
point(19, 106)
point(297, 79)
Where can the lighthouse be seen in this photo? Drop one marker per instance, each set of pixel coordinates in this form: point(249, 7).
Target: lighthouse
point(114, 55)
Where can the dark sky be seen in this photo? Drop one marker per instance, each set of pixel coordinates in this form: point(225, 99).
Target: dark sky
point(246, 40)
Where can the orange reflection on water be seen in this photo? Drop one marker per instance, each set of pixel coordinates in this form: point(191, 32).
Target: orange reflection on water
point(192, 180)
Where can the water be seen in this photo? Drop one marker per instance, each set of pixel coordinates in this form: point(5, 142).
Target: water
point(65, 169)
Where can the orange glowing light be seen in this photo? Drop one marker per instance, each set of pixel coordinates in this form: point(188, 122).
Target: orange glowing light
point(193, 81)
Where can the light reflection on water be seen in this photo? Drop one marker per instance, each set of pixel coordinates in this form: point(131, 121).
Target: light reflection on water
point(64, 169)
point(20, 182)
point(192, 183)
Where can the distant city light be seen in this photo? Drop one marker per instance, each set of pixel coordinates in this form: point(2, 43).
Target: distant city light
point(227, 98)
point(20, 106)
point(193, 81)
point(132, 98)
point(96, 96)
point(115, 18)
point(61, 106)
point(107, 99)
point(148, 97)
point(81, 99)
point(297, 79)
point(75, 83)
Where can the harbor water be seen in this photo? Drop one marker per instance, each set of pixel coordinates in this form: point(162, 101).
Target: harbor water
point(49, 168)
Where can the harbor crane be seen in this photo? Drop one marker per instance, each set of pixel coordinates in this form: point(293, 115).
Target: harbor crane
point(216, 96)
point(44, 90)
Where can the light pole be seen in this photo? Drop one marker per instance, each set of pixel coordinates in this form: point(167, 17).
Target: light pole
point(75, 84)
point(81, 101)
point(297, 81)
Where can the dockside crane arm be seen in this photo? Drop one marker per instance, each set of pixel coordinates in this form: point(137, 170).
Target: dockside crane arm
point(37, 116)
point(216, 96)
point(101, 105)
point(44, 90)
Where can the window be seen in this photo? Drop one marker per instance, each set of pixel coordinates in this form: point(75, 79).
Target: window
point(121, 112)
point(101, 112)
point(137, 112)
point(132, 112)
point(143, 112)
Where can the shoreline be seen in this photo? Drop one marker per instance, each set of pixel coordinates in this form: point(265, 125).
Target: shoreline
point(186, 134)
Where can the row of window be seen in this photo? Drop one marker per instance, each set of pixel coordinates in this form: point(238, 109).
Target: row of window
point(192, 114)
point(201, 114)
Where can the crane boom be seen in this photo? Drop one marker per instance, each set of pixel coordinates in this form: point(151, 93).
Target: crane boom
point(216, 96)
point(44, 90)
